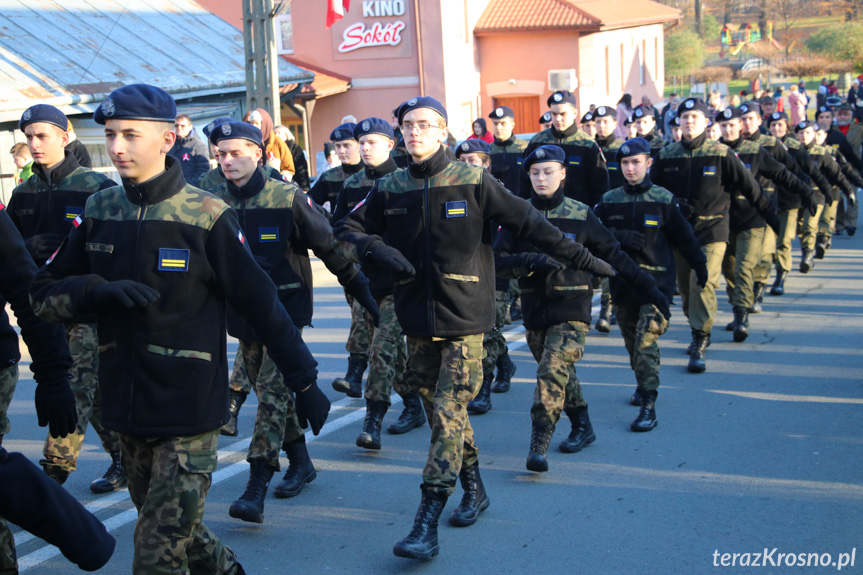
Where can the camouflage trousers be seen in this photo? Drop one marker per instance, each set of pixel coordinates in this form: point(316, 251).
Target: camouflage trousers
point(738, 265)
point(494, 341)
point(276, 422)
point(827, 221)
point(63, 452)
point(387, 357)
point(787, 233)
point(8, 556)
point(557, 349)
point(809, 228)
point(447, 373)
point(168, 482)
point(699, 304)
point(641, 327)
point(360, 335)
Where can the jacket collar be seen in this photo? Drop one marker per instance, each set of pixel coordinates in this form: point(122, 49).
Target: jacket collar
point(550, 202)
point(695, 142)
point(431, 166)
point(606, 141)
point(351, 169)
point(570, 131)
point(159, 187)
point(504, 143)
point(734, 144)
point(756, 137)
point(250, 188)
point(638, 189)
point(67, 165)
point(381, 170)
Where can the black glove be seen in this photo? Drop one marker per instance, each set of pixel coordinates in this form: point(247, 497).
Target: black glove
point(629, 239)
point(55, 406)
point(312, 408)
point(852, 197)
point(658, 299)
point(701, 275)
point(599, 268)
point(810, 205)
point(828, 201)
point(42, 246)
point(391, 258)
point(773, 221)
point(264, 263)
point(539, 262)
point(358, 287)
point(685, 208)
point(125, 293)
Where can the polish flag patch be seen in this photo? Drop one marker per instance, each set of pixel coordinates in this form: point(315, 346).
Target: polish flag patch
point(186, 157)
point(77, 221)
point(241, 237)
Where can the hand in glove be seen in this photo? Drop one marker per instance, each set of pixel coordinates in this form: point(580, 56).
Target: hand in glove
point(658, 299)
point(55, 406)
point(773, 221)
point(539, 262)
point(312, 408)
point(391, 258)
point(599, 268)
point(42, 246)
point(264, 263)
point(701, 275)
point(852, 197)
point(685, 208)
point(810, 205)
point(828, 201)
point(358, 287)
point(125, 293)
point(630, 239)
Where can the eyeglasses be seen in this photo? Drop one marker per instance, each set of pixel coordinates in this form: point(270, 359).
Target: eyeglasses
point(537, 174)
point(421, 127)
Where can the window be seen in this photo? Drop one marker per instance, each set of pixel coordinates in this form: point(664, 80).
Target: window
point(284, 32)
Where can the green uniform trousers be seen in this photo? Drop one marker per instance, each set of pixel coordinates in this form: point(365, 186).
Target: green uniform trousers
point(787, 233)
point(699, 304)
point(809, 228)
point(738, 265)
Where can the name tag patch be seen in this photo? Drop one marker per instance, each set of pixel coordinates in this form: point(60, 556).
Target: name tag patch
point(73, 212)
point(171, 260)
point(456, 209)
point(613, 166)
point(748, 166)
point(651, 221)
point(268, 234)
point(709, 170)
point(575, 160)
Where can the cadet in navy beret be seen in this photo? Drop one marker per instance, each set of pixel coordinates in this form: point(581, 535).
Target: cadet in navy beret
point(603, 111)
point(235, 130)
point(561, 97)
point(374, 126)
point(803, 125)
point(730, 113)
point(750, 107)
point(693, 105)
point(641, 112)
point(502, 112)
point(137, 102)
point(632, 147)
point(343, 132)
point(422, 102)
point(43, 113)
point(208, 129)
point(588, 117)
point(545, 119)
point(545, 154)
point(588, 125)
point(776, 117)
point(475, 146)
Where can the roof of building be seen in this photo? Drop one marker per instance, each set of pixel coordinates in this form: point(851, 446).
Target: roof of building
point(73, 54)
point(326, 82)
point(537, 15)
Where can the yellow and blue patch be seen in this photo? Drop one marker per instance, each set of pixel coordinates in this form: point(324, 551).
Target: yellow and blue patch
point(575, 160)
point(268, 234)
point(456, 209)
point(709, 170)
point(613, 166)
point(570, 236)
point(173, 260)
point(73, 212)
point(651, 221)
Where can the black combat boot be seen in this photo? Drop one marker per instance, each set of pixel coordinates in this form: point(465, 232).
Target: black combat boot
point(778, 287)
point(729, 327)
point(352, 383)
point(758, 289)
point(821, 246)
point(505, 371)
point(581, 434)
point(807, 262)
point(540, 437)
point(636, 397)
point(57, 474)
point(700, 341)
point(370, 438)
point(851, 230)
point(603, 324)
point(515, 309)
point(474, 501)
point(412, 416)
point(300, 470)
point(114, 478)
point(646, 419)
point(250, 506)
point(482, 402)
point(237, 399)
point(421, 542)
point(741, 324)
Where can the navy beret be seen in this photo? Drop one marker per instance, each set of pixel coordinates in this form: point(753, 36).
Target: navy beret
point(545, 118)
point(750, 106)
point(236, 130)
point(374, 126)
point(824, 110)
point(561, 97)
point(208, 129)
point(730, 113)
point(588, 117)
point(777, 116)
point(817, 126)
point(629, 120)
point(544, 154)
point(804, 124)
point(137, 102)
point(642, 112)
point(692, 105)
point(603, 111)
point(632, 147)
point(43, 113)
point(675, 121)
point(710, 121)
point(343, 132)
point(422, 102)
point(472, 146)
point(502, 112)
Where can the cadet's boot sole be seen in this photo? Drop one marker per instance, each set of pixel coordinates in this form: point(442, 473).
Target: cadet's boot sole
point(284, 494)
point(399, 551)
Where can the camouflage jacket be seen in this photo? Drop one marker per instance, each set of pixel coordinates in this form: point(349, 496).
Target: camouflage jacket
point(438, 214)
point(656, 143)
point(506, 157)
point(47, 203)
point(653, 211)
point(811, 174)
point(586, 171)
point(549, 298)
point(281, 225)
point(823, 159)
point(609, 147)
point(163, 366)
point(327, 187)
point(702, 174)
point(400, 154)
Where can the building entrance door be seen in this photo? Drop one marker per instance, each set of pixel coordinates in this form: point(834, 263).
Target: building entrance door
point(526, 110)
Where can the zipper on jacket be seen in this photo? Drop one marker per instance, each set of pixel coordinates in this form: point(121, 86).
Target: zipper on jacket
point(427, 224)
point(141, 212)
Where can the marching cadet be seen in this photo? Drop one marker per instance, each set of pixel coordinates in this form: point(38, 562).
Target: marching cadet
point(676, 133)
point(280, 225)
point(215, 176)
point(587, 174)
point(507, 150)
point(645, 127)
point(701, 174)
point(713, 131)
point(387, 358)
point(399, 153)
point(156, 261)
point(436, 214)
point(588, 125)
point(827, 223)
point(747, 227)
point(326, 188)
point(648, 224)
point(632, 129)
point(556, 303)
point(853, 132)
point(43, 209)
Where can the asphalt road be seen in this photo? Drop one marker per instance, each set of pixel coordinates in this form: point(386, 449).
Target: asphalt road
point(761, 452)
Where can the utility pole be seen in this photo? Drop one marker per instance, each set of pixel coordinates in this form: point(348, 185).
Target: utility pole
point(262, 64)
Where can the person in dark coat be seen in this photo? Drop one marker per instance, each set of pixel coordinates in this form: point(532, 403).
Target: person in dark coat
point(189, 150)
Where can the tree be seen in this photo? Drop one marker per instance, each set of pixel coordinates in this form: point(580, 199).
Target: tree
point(811, 66)
point(684, 51)
point(712, 74)
point(840, 42)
